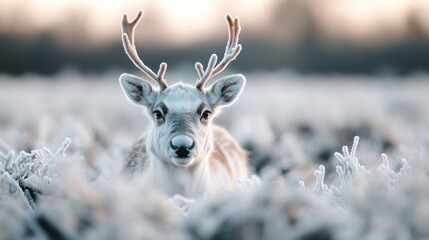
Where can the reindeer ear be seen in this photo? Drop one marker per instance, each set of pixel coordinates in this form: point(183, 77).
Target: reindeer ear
point(226, 90)
point(138, 91)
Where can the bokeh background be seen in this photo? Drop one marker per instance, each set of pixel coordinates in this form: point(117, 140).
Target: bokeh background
point(381, 37)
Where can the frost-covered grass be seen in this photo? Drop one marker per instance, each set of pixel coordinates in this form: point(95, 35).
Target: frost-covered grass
point(62, 143)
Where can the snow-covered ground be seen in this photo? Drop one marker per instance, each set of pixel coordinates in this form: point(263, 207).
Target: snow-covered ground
point(75, 131)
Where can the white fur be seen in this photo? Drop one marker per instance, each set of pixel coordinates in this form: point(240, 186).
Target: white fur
point(210, 169)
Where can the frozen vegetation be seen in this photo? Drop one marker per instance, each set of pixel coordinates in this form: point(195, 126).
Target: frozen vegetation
point(63, 141)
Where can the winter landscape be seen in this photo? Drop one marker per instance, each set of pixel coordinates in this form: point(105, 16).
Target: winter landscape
point(334, 117)
point(332, 157)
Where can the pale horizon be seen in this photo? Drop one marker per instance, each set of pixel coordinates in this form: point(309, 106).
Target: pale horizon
point(92, 24)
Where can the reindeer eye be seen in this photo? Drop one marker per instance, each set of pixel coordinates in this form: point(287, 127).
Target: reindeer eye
point(158, 115)
point(205, 115)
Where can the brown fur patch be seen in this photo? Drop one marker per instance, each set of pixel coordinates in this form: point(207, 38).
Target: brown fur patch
point(225, 145)
point(137, 158)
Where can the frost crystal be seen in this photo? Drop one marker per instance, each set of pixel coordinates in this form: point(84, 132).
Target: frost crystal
point(385, 170)
point(321, 188)
point(28, 174)
point(350, 167)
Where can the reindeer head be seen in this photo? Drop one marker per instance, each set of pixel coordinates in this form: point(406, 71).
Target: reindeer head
point(182, 113)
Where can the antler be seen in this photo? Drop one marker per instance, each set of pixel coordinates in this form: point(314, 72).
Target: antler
point(231, 52)
point(130, 48)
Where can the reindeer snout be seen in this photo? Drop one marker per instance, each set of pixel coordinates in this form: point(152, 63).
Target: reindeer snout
point(182, 145)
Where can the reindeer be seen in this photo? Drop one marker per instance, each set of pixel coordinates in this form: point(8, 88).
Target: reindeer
point(184, 152)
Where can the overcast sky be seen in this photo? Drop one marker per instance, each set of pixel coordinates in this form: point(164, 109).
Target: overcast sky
point(83, 23)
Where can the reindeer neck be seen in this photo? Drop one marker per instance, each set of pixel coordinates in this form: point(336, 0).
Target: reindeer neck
point(190, 181)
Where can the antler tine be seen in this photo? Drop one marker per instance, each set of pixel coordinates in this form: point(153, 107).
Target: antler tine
point(130, 48)
point(208, 73)
point(199, 68)
point(232, 50)
point(128, 27)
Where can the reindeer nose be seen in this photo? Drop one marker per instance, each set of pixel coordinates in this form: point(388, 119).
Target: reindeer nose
point(183, 145)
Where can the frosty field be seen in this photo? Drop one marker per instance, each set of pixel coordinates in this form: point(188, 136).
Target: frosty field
point(63, 140)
